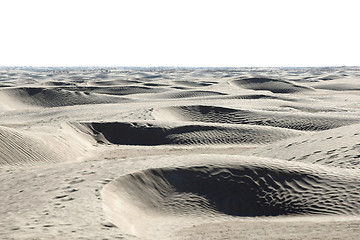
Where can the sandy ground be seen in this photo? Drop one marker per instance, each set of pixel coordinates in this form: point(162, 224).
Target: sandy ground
point(253, 153)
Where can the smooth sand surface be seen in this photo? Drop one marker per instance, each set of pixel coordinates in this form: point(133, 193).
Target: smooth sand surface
point(116, 153)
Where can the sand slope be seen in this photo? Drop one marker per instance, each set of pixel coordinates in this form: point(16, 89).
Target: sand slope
point(337, 147)
point(172, 153)
point(17, 148)
point(55, 97)
point(303, 122)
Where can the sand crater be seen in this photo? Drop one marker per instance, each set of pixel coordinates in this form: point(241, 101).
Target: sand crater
point(150, 133)
point(239, 187)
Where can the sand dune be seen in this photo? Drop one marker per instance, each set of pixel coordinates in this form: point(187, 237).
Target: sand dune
point(196, 83)
point(258, 96)
point(174, 153)
point(187, 94)
point(337, 147)
point(24, 148)
point(44, 97)
point(303, 122)
point(117, 90)
point(119, 82)
point(18, 149)
point(272, 85)
point(237, 186)
point(335, 86)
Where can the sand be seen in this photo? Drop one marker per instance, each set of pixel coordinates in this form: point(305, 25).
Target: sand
point(172, 153)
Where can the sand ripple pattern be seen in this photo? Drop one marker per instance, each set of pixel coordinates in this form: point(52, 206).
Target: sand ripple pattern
point(254, 187)
point(303, 122)
point(19, 149)
point(57, 97)
point(325, 148)
point(117, 90)
point(188, 94)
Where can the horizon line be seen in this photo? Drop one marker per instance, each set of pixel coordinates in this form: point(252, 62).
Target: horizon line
point(174, 67)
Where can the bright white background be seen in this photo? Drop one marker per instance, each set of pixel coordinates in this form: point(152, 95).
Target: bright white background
point(179, 33)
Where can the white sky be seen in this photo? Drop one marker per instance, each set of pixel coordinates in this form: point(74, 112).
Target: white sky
point(192, 33)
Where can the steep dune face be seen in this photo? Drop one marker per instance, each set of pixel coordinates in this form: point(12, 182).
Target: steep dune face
point(249, 187)
point(272, 85)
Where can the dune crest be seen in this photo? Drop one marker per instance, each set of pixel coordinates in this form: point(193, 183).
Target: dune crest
point(55, 97)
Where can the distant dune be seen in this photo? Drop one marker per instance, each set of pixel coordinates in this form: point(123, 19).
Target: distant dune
point(272, 85)
point(55, 97)
point(121, 153)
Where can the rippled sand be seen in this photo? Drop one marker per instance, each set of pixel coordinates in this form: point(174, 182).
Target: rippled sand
point(116, 153)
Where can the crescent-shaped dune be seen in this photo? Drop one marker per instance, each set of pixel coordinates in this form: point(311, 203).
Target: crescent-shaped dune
point(230, 185)
point(155, 133)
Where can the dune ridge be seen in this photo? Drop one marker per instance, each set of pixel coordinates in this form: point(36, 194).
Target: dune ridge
point(117, 90)
point(187, 94)
point(203, 113)
point(45, 97)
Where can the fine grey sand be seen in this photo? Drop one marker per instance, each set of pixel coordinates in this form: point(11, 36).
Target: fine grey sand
point(173, 153)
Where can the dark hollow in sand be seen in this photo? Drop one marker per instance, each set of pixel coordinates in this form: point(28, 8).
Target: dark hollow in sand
point(241, 190)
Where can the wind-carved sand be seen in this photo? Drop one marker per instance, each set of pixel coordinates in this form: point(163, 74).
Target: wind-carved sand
point(116, 153)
